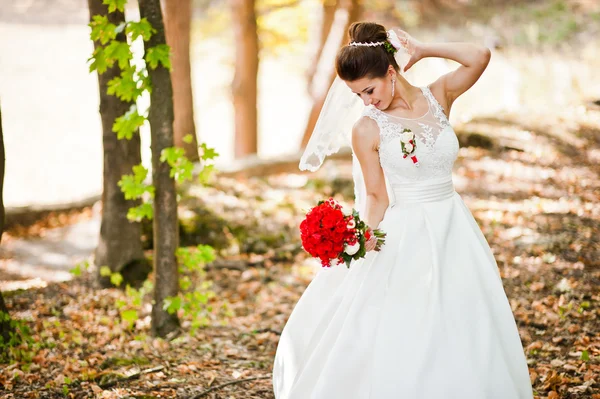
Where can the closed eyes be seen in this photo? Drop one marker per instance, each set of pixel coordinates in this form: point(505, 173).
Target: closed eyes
point(368, 92)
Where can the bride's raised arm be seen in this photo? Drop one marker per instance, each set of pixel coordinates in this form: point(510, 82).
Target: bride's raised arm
point(472, 57)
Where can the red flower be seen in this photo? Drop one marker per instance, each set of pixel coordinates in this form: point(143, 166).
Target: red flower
point(325, 232)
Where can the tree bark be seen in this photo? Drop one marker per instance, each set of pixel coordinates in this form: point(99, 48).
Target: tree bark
point(165, 200)
point(5, 327)
point(244, 87)
point(119, 245)
point(178, 21)
point(353, 10)
point(327, 18)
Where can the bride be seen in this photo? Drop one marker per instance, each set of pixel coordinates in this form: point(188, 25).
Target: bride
point(426, 317)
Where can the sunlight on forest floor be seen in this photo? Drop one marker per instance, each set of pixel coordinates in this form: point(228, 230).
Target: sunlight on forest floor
point(528, 169)
point(535, 200)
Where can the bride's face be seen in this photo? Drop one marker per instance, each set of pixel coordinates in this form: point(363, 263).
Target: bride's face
point(376, 91)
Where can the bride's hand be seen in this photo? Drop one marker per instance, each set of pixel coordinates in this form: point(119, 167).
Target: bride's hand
point(413, 47)
point(371, 243)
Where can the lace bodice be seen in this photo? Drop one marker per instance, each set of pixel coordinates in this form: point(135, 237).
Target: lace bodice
point(436, 149)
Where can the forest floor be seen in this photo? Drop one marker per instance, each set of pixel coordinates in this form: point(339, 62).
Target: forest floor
point(533, 185)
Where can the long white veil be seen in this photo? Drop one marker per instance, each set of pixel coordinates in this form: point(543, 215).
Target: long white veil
point(333, 130)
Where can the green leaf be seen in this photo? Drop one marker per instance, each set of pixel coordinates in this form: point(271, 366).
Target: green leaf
point(188, 138)
point(585, 356)
point(206, 253)
point(120, 52)
point(102, 30)
point(134, 186)
point(202, 297)
point(141, 28)
point(143, 81)
point(159, 54)
point(99, 61)
point(171, 155)
point(195, 259)
point(206, 173)
point(128, 124)
point(130, 315)
point(114, 5)
point(185, 283)
point(105, 271)
point(116, 279)
point(181, 167)
point(172, 304)
point(143, 211)
point(585, 304)
point(76, 271)
point(125, 87)
point(208, 153)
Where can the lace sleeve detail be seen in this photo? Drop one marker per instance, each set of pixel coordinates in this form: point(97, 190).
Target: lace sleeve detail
point(376, 116)
point(386, 129)
point(438, 110)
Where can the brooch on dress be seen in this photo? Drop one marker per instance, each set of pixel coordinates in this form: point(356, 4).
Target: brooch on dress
point(409, 145)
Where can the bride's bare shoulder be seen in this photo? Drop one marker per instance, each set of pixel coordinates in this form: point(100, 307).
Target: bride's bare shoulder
point(365, 127)
point(365, 131)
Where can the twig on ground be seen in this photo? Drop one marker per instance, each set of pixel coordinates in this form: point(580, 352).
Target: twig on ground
point(205, 392)
point(133, 376)
point(262, 330)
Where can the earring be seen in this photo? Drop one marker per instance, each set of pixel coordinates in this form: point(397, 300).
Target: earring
point(393, 86)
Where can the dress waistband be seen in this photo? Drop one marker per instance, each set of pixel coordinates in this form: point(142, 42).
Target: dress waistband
point(423, 191)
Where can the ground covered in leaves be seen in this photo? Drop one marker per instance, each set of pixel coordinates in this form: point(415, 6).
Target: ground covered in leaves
point(533, 186)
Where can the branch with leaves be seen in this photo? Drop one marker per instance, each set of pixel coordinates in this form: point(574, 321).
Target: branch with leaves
point(133, 82)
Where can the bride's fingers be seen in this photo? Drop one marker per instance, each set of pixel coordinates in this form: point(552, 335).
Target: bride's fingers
point(410, 63)
point(370, 245)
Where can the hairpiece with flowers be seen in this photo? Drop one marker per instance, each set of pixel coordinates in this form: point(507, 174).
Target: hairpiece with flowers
point(391, 45)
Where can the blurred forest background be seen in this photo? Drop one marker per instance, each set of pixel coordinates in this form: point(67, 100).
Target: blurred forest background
point(78, 278)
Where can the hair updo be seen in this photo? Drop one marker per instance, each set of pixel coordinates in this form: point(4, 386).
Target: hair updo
point(356, 62)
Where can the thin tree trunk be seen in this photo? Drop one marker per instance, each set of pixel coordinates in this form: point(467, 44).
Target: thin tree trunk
point(353, 10)
point(165, 200)
point(327, 18)
point(244, 86)
point(120, 244)
point(5, 327)
point(178, 21)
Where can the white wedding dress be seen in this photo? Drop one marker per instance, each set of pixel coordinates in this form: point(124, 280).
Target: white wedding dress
point(424, 318)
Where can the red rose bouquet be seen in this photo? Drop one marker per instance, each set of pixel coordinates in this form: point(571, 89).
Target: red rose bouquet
point(336, 236)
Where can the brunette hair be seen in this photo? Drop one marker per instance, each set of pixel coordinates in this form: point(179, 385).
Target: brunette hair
point(356, 62)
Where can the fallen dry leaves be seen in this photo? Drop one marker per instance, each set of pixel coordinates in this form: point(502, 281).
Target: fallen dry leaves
point(537, 206)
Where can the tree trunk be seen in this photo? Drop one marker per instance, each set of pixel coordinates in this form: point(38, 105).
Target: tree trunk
point(178, 21)
point(120, 245)
point(244, 86)
point(353, 11)
point(327, 18)
point(5, 327)
point(165, 200)
point(428, 7)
